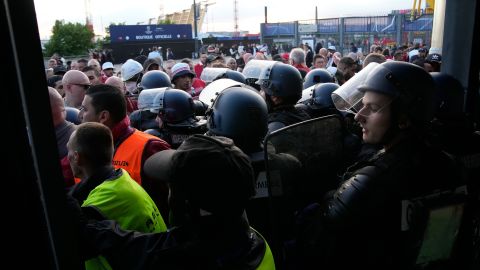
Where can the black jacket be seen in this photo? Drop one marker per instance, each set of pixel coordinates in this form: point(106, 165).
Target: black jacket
point(207, 243)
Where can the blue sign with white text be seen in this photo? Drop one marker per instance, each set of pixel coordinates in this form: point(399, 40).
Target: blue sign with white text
point(274, 29)
point(151, 32)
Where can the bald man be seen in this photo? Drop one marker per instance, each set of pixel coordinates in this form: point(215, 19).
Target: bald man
point(75, 83)
point(63, 128)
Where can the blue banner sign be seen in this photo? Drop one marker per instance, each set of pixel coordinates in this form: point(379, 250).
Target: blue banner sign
point(370, 24)
point(275, 29)
point(152, 32)
point(424, 23)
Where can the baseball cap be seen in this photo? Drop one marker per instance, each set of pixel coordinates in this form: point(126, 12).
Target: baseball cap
point(75, 77)
point(213, 173)
point(107, 65)
point(434, 57)
point(181, 69)
point(130, 68)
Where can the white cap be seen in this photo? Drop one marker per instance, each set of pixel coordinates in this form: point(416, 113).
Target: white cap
point(435, 50)
point(331, 47)
point(130, 69)
point(107, 65)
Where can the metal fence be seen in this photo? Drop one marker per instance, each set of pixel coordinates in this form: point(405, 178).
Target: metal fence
point(388, 31)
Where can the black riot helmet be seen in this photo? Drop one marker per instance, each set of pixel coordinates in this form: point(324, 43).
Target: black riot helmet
point(173, 106)
point(235, 75)
point(72, 115)
point(410, 86)
point(239, 113)
point(317, 75)
point(449, 94)
point(200, 107)
point(155, 79)
point(281, 80)
point(322, 96)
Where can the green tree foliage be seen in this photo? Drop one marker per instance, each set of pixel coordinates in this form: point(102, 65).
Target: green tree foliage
point(165, 22)
point(69, 39)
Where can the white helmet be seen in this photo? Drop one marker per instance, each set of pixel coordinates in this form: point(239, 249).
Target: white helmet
point(130, 69)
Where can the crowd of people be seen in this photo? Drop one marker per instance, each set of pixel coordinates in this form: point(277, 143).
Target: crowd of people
point(166, 158)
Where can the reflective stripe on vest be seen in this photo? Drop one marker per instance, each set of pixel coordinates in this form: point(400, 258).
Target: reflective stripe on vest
point(128, 155)
point(267, 262)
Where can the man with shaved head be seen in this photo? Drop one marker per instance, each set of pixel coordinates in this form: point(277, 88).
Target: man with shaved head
point(75, 83)
point(63, 130)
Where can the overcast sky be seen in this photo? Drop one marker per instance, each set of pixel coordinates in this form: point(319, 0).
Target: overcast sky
point(219, 15)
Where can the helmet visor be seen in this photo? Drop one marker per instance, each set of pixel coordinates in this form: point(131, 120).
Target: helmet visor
point(158, 101)
point(211, 91)
point(253, 69)
point(211, 74)
point(306, 94)
point(146, 98)
point(347, 97)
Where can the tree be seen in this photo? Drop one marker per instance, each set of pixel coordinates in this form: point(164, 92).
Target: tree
point(69, 39)
point(167, 21)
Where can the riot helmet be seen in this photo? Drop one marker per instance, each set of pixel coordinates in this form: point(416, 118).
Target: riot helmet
point(241, 114)
point(322, 96)
point(155, 79)
point(235, 75)
point(212, 90)
point(449, 94)
point(142, 118)
point(253, 69)
point(281, 80)
point(317, 75)
point(200, 107)
point(410, 86)
point(173, 106)
point(72, 115)
point(146, 98)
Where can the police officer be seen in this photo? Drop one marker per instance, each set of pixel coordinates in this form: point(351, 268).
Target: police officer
point(143, 119)
point(318, 75)
point(359, 225)
point(241, 114)
point(175, 116)
point(281, 86)
point(210, 230)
